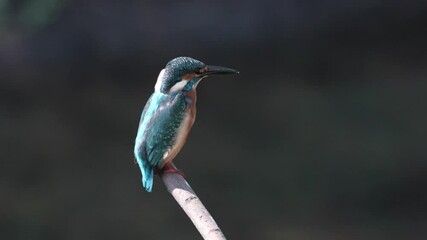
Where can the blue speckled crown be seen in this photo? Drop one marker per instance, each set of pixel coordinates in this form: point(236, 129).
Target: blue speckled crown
point(178, 67)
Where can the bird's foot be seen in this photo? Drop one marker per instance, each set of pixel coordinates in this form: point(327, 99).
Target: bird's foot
point(170, 168)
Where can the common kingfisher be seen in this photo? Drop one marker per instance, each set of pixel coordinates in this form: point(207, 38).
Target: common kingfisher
point(168, 115)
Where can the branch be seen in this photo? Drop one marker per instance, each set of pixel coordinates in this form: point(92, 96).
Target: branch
point(192, 206)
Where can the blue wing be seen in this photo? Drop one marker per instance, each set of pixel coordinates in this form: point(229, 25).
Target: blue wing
point(160, 118)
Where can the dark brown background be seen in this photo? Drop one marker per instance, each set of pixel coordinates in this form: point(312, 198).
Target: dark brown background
point(321, 136)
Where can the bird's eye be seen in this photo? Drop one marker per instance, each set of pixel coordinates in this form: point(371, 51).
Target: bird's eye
point(202, 70)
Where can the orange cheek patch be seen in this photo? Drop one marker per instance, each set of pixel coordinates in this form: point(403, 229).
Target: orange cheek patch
point(189, 76)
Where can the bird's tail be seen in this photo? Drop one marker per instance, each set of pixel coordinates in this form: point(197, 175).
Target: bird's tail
point(147, 180)
point(147, 177)
point(147, 172)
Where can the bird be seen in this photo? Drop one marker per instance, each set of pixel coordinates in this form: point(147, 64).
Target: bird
point(169, 115)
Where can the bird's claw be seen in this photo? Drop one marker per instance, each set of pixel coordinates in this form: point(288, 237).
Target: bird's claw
point(170, 168)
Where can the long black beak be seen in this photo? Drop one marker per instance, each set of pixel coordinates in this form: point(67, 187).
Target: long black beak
point(210, 70)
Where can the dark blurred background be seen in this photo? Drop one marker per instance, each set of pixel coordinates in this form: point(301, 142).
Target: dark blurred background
point(321, 136)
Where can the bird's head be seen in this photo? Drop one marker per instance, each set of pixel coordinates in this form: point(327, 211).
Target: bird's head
point(184, 73)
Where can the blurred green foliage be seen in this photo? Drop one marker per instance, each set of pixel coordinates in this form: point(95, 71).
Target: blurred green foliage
point(4, 13)
point(29, 13)
point(39, 13)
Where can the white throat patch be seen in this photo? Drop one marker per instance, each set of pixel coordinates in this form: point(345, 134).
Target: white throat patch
point(159, 81)
point(181, 84)
point(178, 86)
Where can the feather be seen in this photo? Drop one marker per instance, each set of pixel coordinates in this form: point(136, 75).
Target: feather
point(158, 132)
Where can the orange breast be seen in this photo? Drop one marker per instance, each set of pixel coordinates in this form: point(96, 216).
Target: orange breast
point(193, 96)
point(183, 130)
